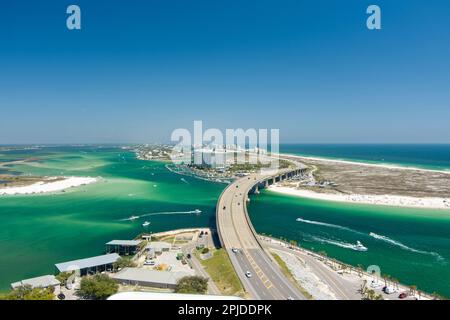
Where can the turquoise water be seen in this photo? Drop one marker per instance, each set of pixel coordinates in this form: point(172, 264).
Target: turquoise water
point(39, 231)
point(411, 245)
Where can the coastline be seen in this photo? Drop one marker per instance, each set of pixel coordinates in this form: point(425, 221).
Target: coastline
point(48, 186)
point(362, 163)
point(385, 200)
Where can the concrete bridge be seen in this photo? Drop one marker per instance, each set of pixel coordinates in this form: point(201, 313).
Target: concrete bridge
point(240, 240)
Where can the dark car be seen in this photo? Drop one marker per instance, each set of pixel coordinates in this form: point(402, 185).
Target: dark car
point(61, 296)
point(402, 295)
point(188, 256)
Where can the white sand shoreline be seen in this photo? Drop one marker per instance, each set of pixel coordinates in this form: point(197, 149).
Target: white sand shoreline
point(386, 200)
point(48, 186)
point(367, 164)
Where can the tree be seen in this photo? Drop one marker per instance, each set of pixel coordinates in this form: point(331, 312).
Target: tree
point(97, 287)
point(205, 250)
point(293, 243)
point(123, 262)
point(63, 277)
point(192, 284)
point(26, 292)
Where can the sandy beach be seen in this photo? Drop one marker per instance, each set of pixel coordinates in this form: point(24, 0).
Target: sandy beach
point(387, 200)
point(365, 164)
point(48, 186)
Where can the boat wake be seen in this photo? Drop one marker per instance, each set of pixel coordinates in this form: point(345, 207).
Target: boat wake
point(356, 247)
point(184, 180)
point(196, 211)
point(403, 246)
point(324, 224)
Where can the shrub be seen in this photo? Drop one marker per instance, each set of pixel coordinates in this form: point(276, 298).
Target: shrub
point(192, 284)
point(98, 287)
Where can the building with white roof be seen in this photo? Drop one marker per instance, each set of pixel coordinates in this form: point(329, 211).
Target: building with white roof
point(123, 247)
point(89, 265)
point(38, 282)
point(149, 278)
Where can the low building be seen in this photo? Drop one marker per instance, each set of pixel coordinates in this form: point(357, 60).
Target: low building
point(89, 265)
point(158, 246)
point(38, 282)
point(137, 295)
point(149, 278)
point(123, 247)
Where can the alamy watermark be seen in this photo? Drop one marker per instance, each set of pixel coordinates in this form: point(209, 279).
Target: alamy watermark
point(215, 148)
point(73, 21)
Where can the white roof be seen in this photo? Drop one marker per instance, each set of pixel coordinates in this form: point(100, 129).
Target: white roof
point(38, 282)
point(146, 275)
point(136, 295)
point(124, 242)
point(88, 262)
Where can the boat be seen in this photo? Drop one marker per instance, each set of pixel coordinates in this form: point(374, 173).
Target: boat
point(197, 211)
point(360, 247)
point(133, 218)
point(145, 224)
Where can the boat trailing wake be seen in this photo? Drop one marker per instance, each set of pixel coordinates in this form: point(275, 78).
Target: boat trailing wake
point(403, 246)
point(357, 247)
point(324, 224)
point(196, 211)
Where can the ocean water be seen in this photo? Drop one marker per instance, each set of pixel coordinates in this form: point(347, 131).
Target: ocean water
point(426, 156)
point(411, 245)
point(39, 231)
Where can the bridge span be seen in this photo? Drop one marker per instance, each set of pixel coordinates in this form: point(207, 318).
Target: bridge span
point(239, 239)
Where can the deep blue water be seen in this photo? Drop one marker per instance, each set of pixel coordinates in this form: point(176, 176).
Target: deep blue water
point(429, 156)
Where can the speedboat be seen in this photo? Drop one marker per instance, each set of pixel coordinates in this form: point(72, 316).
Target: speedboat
point(133, 218)
point(359, 246)
point(197, 211)
point(145, 224)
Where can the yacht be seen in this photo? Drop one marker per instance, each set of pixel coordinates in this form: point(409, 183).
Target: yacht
point(145, 224)
point(359, 246)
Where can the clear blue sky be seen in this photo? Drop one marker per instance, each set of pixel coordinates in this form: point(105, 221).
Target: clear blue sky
point(139, 69)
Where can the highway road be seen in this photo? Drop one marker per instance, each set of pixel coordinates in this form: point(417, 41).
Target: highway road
point(236, 232)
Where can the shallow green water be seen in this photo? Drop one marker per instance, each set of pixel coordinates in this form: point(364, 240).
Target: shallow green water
point(411, 245)
point(39, 231)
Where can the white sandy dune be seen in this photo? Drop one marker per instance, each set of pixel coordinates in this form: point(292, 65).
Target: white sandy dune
point(388, 200)
point(48, 186)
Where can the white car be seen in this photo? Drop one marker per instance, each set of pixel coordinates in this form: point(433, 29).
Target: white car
point(376, 285)
point(149, 263)
point(389, 290)
point(235, 250)
point(248, 274)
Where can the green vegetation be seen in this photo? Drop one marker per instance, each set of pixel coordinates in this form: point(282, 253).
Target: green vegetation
point(222, 273)
point(97, 287)
point(124, 262)
point(287, 273)
point(63, 277)
point(28, 293)
point(192, 284)
point(372, 295)
point(205, 250)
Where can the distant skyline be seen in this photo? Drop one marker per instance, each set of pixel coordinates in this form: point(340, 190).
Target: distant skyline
point(139, 69)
